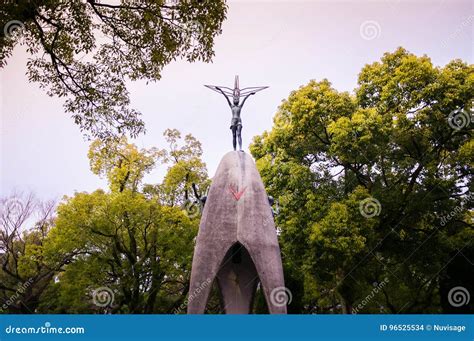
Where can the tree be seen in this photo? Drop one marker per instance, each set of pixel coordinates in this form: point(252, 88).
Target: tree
point(135, 250)
point(366, 181)
point(133, 247)
point(186, 170)
point(86, 50)
point(122, 163)
point(26, 271)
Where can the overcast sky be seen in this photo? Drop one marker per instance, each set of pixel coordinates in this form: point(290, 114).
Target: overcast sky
point(282, 44)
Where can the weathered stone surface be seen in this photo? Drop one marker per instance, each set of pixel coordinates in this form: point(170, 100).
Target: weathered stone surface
point(237, 242)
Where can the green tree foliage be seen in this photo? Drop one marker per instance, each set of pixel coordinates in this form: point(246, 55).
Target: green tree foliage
point(26, 271)
point(134, 247)
point(366, 181)
point(124, 250)
point(86, 50)
point(185, 169)
point(122, 163)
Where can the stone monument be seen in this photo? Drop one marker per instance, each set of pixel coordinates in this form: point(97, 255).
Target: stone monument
point(237, 243)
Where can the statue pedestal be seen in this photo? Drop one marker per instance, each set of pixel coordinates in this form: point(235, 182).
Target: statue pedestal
point(237, 243)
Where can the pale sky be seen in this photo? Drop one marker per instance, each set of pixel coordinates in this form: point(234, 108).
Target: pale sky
point(282, 44)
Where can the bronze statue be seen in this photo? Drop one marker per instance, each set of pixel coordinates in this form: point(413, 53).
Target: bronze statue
point(236, 94)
